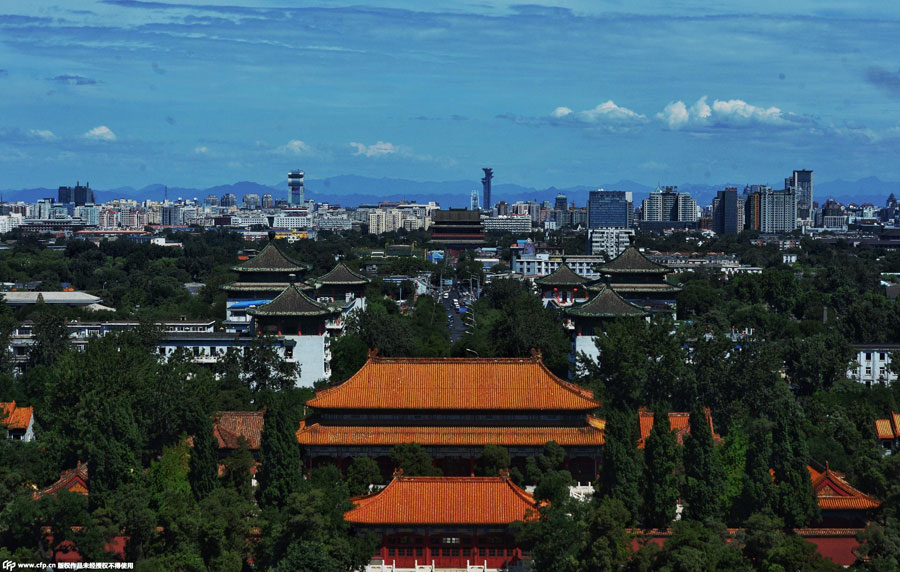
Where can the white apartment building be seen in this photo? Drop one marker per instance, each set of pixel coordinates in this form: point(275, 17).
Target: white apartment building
point(609, 241)
point(873, 364)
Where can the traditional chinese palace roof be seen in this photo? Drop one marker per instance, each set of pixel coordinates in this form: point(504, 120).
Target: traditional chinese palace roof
point(590, 434)
point(633, 262)
point(341, 275)
point(455, 384)
point(562, 276)
point(260, 286)
point(292, 302)
point(443, 501)
point(679, 422)
point(73, 480)
point(833, 492)
point(606, 304)
point(230, 426)
point(270, 259)
point(888, 428)
point(15, 418)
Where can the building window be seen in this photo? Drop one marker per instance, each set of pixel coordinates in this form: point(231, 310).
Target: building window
point(881, 356)
point(868, 371)
point(868, 356)
point(451, 540)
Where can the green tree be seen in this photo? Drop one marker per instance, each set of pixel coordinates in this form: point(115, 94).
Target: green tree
point(879, 549)
point(608, 546)
point(704, 476)
point(660, 481)
point(758, 494)
point(621, 473)
point(414, 460)
point(51, 335)
point(699, 546)
point(282, 468)
point(237, 473)
point(491, 461)
point(204, 460)
point(362, 473)
point(794, 499)
point(766, 546)
point(816, 362)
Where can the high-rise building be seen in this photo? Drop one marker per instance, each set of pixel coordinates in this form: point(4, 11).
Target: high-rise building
point(486, 187)
point(561, 203)
point(228, 200)
point(251, 201)
point(611, 209)
point(727, 212)
point(802, 183)
point(211, 201)
point(296, 190)
point(171, 215)
point(778, 211)
point(473, 201)
point(267, 201)
point(667, 205)
point(78, 195)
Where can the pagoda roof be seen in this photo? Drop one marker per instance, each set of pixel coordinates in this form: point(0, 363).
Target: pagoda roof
point(292, 302)
point(230, 426)
point(456, 384)
point(632, 261)
point(562, 276)
point(833, 492)
point(270, 259)
point(679, 423)
point(888, 428)
point(631, 288)
point(13, 417)
point(262, 286)
point(72, 480)
point(342, 275)
point(606, 304)
point(591, 434)
point(444, 501)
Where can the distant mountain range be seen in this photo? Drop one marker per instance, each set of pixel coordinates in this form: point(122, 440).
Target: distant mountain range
point(352, 190)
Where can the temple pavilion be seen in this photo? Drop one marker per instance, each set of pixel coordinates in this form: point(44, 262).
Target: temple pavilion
point(639, 280)
point(589, 319)
point(563, 287)
point(444, 522)
point(341, 284)
point(454, 407)
point(260, 279)
point(299, 319)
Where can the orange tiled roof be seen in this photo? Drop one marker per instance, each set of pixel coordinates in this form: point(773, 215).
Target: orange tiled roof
point(73, 480)
point(444, 501)
point(884, 429)
point(591, 434)
point(888, 428)
point(455, 383)
point(833, 492)
point(13, 417)
point(679, 422)
point(229, 426)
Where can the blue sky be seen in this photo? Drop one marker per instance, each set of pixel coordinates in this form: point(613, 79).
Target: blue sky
point(125, 92)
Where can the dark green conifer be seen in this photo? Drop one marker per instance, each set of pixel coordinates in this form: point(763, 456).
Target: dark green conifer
point(620, 476)
point(660, 481)
point(704, 484)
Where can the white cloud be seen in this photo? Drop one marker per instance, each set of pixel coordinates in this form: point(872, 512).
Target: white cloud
point(294, 147)
point(379, 149)
point(44, 134)
point(100, 133)
point(733, 113)
point(604, 114)
point(201, 150)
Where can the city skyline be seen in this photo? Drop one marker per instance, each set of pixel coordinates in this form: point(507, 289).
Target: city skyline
point(147, 92)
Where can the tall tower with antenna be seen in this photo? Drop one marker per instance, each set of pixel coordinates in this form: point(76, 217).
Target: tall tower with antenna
point(486, 186)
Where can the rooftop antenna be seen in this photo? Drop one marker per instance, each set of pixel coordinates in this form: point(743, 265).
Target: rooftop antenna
point(166, 193)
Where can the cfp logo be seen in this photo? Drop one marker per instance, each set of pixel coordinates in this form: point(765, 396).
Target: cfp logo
point(9, 565)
